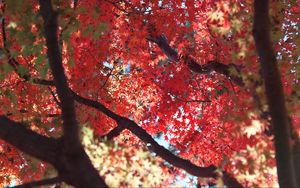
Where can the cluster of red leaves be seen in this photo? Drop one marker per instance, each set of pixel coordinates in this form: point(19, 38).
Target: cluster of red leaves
point(108, 57)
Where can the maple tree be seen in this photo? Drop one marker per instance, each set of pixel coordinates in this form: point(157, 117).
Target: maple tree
point(91, 90)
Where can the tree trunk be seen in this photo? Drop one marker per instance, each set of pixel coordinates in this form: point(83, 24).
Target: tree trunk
point(274, 94)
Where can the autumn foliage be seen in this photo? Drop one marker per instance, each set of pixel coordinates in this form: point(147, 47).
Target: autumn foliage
point(149, 93)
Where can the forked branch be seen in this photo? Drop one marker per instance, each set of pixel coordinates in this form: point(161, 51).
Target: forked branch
point(125, 123)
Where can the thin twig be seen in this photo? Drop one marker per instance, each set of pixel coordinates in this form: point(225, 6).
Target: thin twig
point(109, 74)
point(54, 97)
point(49, 181)
point(189, 101)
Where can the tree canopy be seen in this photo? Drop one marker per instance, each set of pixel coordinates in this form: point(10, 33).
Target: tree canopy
point(140, 93)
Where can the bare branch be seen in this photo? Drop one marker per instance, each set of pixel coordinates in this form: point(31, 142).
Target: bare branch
point(54, 97)
point(209, 67)
point(14, 63)
point(11, 60)
point(190, 100)
point(96, 105)
point(25, 111)
point(49, 181)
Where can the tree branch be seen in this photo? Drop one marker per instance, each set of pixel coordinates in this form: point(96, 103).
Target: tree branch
point(22, 111)
point(155, 147)
point(274, 94)
point(113, 133)
point(96, 105)
point(54, 97)
point(14, 63)
point(76, 169)
point(30, 142)
point(80, 171)
point(230, 181)
point(11, 61)
point(194, 66)
point(44, 182)
point(70, 126)
point(166, 154)
point(125, 123)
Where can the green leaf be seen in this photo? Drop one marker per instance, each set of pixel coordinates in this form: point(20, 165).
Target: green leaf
point(87, 30)
point(71, 62)
point(14, 53)
point(100, 29)
point(22, 70)
point(26, 51)
point(2, 54)
point(7, 68)
point(13, 6)
point(44, 71)
point(12, 96)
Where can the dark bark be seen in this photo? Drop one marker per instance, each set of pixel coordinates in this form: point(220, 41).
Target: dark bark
point(97, 106)
point(274, 94)
point(38, 146)
point(78, 171)
point(70, 125)
point(113, 133)
point(230, 181)
point(296, 157)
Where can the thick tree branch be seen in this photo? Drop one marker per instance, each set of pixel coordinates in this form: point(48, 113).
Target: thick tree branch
point(230, 181)
point(44, 182)
point(43, 82)
point(274, 93)
point(23, 111)
point(166, 154)
point(113, 133)
point(30, 142)
point(209, 67)
point(96, 105)
point(124, 123)
point(79, 169)
point(76, 169)
point(70, 125)
point(154, 146)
